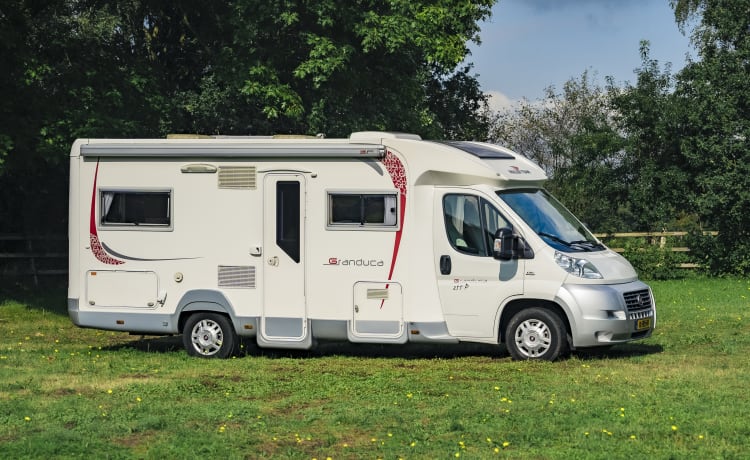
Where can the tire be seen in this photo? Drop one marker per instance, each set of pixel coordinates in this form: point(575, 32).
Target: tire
point(209, 335)
point(536, 334)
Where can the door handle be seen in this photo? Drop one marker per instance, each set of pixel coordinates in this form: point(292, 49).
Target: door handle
point(273, 261)
point(445, 265)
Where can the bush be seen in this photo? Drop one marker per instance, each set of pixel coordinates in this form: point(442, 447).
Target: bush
point(721, 256)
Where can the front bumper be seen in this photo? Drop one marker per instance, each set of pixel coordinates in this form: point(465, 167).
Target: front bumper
point(608, 314)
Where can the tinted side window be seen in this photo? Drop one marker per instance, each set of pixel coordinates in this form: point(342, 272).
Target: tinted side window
point(355, 210)
point(345, 209)
point(135, 208)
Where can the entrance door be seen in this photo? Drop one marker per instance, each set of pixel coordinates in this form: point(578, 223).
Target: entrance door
point(284, 312)
point(471, 282)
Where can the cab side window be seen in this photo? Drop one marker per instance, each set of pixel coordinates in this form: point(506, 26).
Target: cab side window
point(463, 224)
point(471, 223)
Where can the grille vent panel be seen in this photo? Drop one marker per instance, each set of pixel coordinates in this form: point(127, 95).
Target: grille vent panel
point(234, 276)
point(639, 304)
point(638, 300)
point(238, 177)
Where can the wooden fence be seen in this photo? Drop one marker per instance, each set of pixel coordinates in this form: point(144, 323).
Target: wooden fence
point(655, 238)
point(24, 256)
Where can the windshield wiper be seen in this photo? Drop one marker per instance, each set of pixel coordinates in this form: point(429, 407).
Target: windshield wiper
point(554, 238)
point(591, 244)
point(570, 244)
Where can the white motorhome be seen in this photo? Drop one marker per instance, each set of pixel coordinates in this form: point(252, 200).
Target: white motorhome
point(379, 238)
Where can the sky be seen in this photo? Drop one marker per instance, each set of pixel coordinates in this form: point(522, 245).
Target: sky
point(529, 45)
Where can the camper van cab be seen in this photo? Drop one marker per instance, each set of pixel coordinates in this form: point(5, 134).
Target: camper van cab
point(378, 238)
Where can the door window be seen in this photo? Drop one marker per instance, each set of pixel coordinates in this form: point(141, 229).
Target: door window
point(288, 218)
point(471, 223)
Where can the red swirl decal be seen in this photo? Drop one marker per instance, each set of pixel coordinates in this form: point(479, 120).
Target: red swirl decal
point(396, 170)
point(96, 245)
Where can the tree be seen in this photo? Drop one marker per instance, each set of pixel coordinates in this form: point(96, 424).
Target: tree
point(656, 173)
point(461, 108)
point(714, 92)
point(331, 67)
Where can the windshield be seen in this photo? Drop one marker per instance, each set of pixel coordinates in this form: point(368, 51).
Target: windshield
point(550, 220)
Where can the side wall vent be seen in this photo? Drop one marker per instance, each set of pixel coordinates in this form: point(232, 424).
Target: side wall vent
point(237, 177)
point(233, 276)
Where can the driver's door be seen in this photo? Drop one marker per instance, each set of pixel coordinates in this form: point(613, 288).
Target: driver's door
point(471, 282)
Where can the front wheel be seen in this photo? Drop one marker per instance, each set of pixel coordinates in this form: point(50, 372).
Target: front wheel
point(535, 333)
point(209, 335)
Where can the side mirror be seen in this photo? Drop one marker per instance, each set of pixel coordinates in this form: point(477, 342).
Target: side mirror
point(504, 247)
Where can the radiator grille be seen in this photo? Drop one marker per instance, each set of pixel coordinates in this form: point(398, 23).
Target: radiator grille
point(233, 276)
point(237, 177)
point(639, 304)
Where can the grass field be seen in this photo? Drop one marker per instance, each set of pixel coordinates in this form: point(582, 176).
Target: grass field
point(67, 392)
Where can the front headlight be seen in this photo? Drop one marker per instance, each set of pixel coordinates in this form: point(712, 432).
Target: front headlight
point(578, 267)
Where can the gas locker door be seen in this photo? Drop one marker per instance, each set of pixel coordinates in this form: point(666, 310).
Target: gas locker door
point(284, 317)
point(378, 313)
point(472, 284)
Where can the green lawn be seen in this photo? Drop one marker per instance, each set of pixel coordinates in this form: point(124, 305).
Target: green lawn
point(67, 392)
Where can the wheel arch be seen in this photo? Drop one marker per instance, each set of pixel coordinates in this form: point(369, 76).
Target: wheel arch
point(518, 305)
point(204, 300)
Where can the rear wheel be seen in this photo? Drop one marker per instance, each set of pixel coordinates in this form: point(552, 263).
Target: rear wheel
point(535, 333)
point(209, 335)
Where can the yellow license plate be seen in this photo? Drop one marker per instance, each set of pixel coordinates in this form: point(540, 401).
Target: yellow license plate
point(644, 323)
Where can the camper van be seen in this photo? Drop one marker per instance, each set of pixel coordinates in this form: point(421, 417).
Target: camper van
point(376, 238)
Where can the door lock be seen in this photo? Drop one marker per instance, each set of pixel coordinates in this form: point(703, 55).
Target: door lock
point(273, 261)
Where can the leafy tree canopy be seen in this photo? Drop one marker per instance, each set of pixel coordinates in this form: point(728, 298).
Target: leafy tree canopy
point(714, 96)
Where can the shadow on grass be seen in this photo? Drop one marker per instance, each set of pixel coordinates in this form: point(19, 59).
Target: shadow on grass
point(627, 350)
point(149, 344)
point(173, 344)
